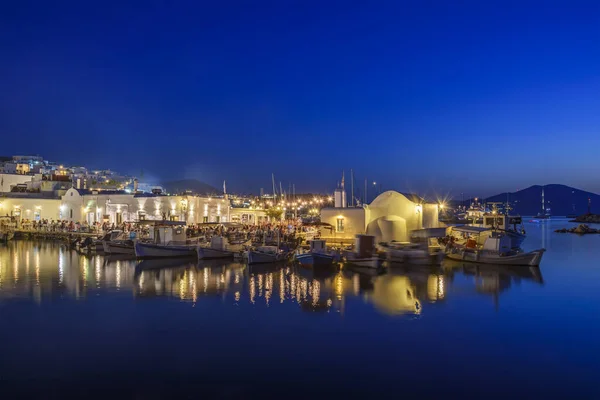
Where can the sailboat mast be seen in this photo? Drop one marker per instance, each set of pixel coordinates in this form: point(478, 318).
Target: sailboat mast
point(543, 202)
point(281, 192)
point(352, 184)
point(366, 196)
point(274, 193)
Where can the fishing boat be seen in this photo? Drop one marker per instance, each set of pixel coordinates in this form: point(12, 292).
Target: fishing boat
point(167, 239)
point(365, 254)
point(496, 249)
point(510, 225)
point(317, 254)
point(119, 247)
point(423, 248)
point(267, 254)
point(98, 245)
point(218, 249)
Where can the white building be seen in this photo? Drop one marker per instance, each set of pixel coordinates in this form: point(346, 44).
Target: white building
point(119, 206)
point(391, 216)
point(9, 181)
point(30, 206)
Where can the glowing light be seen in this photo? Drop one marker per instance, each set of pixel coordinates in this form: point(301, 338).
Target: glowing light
point(418, 208)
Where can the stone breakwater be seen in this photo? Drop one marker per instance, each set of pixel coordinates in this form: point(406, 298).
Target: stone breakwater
point(582, 229)
point(587, 219)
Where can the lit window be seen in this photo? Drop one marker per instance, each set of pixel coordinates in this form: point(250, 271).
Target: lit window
point(340, 225)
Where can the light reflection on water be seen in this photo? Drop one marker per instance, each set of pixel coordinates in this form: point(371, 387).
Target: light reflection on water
point(88, 319)
point(402, 290)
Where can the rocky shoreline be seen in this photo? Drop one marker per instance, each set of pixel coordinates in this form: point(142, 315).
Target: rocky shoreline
point(582, 229)
point(587, 219)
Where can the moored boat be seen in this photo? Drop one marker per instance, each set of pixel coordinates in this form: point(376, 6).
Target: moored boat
point(218, 249)
point(167, 240)
point(151, 250)
point(365, 254)
point(496, 249)
point(317, 254)
point(423, 249)
point(119, 247)
point(266, 254)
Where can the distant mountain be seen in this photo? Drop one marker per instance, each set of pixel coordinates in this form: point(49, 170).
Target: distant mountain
point(196, 186)
point(561, 199)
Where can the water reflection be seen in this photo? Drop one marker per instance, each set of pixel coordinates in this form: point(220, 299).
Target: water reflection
point(44, 270)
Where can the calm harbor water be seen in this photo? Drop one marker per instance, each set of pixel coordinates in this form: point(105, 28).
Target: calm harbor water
point(73, 325)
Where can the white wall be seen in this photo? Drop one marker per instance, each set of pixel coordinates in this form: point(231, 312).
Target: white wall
point(192, 209)
point(8, 181)
point(354, 221)
point(30, 208)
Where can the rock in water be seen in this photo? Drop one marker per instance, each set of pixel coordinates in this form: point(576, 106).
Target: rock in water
point(582, 229)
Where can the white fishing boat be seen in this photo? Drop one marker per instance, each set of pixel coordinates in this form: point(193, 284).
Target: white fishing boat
point(266, 254)
point(167, 240)
point(218, 248)
point(365, 254)
point(496, 249)
point(423, 249)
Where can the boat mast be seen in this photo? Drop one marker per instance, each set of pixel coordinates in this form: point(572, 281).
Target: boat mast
point(274, 193)
point(366, 195)
point(543, 202)
point(352, 184)
point(281, 191)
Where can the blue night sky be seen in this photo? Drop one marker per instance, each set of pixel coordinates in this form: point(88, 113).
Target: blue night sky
point(476, 97)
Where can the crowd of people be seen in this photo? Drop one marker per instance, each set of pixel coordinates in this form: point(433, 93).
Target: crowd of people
point(283, 231)
point(46, 225)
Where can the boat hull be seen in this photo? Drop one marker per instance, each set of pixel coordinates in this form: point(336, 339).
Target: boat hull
point(118, 248)
point(257, 257)
point(315, 259)
point(516, 239)
point(150, 250)
point(367, 262)
point(418, 257)
point(207, 253)
point(532, 258)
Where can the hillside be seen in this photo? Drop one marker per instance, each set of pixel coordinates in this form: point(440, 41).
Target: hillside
point(196, 186)
point(561, 199)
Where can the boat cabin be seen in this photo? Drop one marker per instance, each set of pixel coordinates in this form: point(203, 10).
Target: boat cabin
point(499, 243)
point(365, 246)
point(501, 221)
point(219, 242)
point(167, 232)
point(317, 245)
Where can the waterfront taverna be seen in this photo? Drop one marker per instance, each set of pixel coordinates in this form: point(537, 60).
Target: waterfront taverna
point(391, 216)
point(114, 206)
